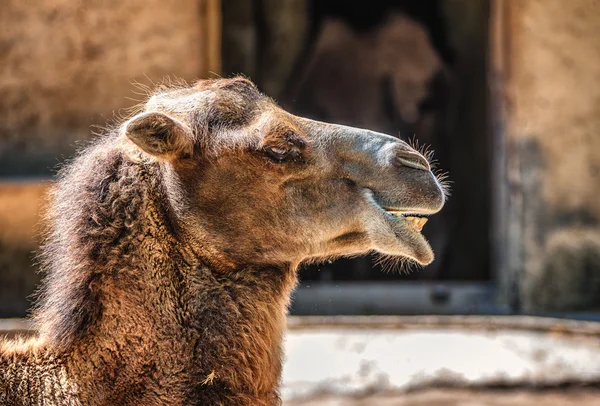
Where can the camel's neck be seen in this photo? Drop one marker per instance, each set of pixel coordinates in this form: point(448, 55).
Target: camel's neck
point(202, 339)
point(183, 326)
point(134, 315)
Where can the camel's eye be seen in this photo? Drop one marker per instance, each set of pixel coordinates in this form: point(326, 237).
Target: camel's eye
point(277, 153)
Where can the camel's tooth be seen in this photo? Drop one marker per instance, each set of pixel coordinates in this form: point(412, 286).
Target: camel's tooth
point(413, 221)
point(418, 222)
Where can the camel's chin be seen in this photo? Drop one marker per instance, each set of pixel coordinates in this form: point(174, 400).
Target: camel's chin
point(399, 237)
point(418, 251)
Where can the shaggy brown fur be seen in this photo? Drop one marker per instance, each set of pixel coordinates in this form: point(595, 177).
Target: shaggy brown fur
point(175, 241)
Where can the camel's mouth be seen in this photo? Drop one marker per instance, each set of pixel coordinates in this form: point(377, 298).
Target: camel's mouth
point(407, 227)
point(396, 231)
point(415, 221)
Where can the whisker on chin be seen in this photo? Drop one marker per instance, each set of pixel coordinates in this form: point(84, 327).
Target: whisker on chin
point(391, 264)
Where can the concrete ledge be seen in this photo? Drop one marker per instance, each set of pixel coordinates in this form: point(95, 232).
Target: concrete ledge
point(360, 360)
point(488, 323)
point(461, 397)
point(359, 356)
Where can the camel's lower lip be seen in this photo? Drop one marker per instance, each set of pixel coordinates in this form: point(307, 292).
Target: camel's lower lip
point(407, 226)
point(404, 224)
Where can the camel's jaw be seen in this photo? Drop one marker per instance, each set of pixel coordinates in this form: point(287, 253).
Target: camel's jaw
point(397, 231)
point(408, 231)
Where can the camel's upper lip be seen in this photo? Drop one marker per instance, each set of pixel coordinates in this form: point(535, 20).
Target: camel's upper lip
point(397, 210)
point(417, 212)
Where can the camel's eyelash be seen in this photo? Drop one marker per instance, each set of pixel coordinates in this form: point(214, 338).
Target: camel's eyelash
point(291, 154)
point(276, 153)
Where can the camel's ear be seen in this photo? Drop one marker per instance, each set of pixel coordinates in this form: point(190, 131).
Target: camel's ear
point(160, 135)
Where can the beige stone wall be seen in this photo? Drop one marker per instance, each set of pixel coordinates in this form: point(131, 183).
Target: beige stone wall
point(67, 65)
point(553, 151)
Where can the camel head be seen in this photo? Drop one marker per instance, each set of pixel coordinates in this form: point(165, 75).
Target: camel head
point(253, 184)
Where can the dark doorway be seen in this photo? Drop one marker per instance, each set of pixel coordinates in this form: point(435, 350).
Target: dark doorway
point(416, 70)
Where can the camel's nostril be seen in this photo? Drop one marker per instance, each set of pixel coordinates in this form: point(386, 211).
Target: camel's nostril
point(413, 160)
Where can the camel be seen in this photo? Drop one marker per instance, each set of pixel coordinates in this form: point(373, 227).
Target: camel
point(174, 243)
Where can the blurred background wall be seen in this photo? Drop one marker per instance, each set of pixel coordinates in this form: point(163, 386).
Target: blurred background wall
point(507, 93)
point(547, 64)
point(67, 69)
point(69, 64)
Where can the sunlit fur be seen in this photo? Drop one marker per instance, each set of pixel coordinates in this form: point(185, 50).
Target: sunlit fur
point(174, 240)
